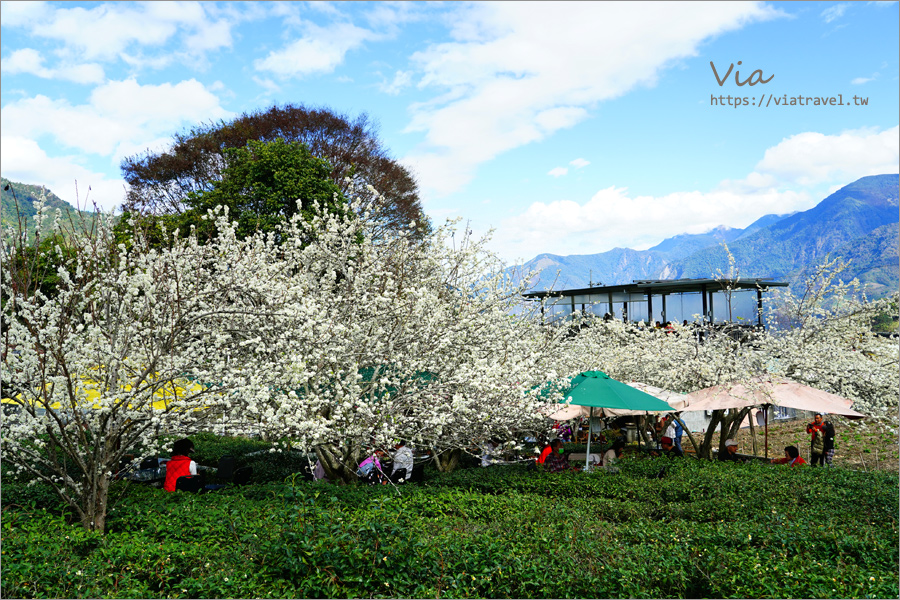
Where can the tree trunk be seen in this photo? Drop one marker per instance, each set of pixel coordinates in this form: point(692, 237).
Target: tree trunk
point(447, 460)
point(753, 434)
point(737, 418)
point(339, 463)
point(705, 450)
point(731, 423)
point(643, 424)
point(93, 516)
point(690, 435)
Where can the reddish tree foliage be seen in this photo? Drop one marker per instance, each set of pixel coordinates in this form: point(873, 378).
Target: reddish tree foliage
point(159, 183)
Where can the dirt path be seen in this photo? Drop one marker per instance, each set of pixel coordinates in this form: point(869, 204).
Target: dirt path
point(864, 445)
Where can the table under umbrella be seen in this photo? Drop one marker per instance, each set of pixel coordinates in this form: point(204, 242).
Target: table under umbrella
point(596, 389)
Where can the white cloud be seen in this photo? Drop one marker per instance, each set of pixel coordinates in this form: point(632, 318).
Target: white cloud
point(30, 61)
point(519, 72)
point(389, 16)
point(863, 80)
point(792, 175)
point(119, 116)
point(26, 60)
point(835, 12)
point(147, 34)
point(25, 161)
point(320, 50)
point(557, 171)
point(16, 14)
point(811, 158)
point(580, 163)
point(613, 218)
point(105, 30)
point(209, 36)
point(402, 80)
point(267, 84)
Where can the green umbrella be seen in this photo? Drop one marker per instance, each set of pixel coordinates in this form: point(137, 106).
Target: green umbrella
point(596, 389)
point(599, 390)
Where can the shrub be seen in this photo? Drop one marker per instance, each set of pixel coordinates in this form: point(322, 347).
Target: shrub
point(703, 530)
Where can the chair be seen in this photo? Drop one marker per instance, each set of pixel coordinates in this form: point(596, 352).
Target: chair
point(418, 474)
point(399, 476)
point(225, 469)
point(189, 483)
point(242, 476)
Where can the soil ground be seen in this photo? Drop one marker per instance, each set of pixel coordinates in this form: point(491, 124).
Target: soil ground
point(861, 445)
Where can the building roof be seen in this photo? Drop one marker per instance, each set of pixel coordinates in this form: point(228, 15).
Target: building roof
point(657, 287)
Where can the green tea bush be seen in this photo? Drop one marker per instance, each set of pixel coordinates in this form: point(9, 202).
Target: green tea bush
point(700, 529)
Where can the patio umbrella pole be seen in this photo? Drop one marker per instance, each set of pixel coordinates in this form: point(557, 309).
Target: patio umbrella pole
point(766, 421)
point(587, 465)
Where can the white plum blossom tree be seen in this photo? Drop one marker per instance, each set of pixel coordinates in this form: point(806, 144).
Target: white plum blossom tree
point(396, 338)
point(320, 333)
point(821, 335)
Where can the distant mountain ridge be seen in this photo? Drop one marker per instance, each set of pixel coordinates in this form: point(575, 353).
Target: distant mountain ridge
point(623, 265)
point(857, 222)
point(13, 194)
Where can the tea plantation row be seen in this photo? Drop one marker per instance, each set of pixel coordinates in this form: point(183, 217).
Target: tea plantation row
point(701, 530)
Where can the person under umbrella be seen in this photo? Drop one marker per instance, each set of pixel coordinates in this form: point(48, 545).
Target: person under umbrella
point(730, 454)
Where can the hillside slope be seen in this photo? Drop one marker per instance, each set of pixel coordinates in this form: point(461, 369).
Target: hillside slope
point(786, 248)
point(18, 201)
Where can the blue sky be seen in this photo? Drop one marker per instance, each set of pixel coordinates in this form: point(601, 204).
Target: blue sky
point(566, 128)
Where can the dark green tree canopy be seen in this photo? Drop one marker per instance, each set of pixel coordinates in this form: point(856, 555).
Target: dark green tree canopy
point(162, 182)
point(263, 184)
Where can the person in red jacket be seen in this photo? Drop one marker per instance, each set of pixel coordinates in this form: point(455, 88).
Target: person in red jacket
point(791, 457)
point(545, 452)
point(180, 464)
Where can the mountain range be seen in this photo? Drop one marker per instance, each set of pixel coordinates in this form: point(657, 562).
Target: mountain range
point(859, 223)
point(17, 201)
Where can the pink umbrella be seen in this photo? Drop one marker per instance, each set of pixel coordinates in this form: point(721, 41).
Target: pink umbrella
point(770, 392)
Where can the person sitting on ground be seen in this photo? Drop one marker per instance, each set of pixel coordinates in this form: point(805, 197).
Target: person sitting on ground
point(669, 448)
point(546, 452)
point(791, 457)
point(403, 461)
point(318, 473)
point(180, 464)
point(730, 454)
point(370, 469)
point(556, 461)
point(612, 456)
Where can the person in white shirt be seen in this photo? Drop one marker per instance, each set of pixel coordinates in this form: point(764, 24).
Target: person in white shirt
point(670, 430)
point(403, 459)
point(611, 456)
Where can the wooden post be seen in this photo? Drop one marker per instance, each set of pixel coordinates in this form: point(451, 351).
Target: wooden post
point(759, 306)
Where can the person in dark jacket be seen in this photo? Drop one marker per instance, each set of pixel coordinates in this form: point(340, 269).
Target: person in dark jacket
point(730, 454)
point(821, 441)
